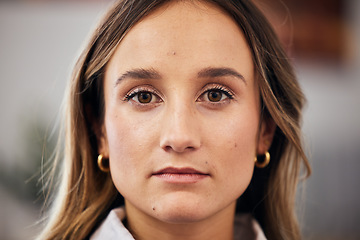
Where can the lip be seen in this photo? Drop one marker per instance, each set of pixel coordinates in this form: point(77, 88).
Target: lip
point(180, 175)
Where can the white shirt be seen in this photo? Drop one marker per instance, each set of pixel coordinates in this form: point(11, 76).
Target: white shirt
point(112, 227)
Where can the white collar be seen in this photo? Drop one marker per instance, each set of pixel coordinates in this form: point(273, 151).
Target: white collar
point(112, 227)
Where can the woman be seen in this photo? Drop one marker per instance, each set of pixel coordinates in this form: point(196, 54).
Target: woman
point(168, 107)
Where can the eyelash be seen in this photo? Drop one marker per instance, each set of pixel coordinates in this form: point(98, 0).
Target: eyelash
point(131, 94)
point(220, 88)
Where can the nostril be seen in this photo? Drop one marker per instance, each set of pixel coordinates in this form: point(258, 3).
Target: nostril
point(167, 148)
point(170, 148)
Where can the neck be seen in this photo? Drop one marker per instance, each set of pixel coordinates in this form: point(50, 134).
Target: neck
point(218, 226)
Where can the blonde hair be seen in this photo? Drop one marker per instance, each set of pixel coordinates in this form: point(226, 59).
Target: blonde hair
point(86, 194)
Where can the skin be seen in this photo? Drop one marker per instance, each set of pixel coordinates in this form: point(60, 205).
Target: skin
point(175, 46)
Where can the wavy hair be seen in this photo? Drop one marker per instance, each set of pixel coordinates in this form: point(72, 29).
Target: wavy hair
point(86, 195)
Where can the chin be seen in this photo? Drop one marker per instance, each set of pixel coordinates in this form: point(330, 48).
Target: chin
point(182, 210)
point(181, 216)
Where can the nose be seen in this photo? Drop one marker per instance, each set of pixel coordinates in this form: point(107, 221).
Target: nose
point(180, 131)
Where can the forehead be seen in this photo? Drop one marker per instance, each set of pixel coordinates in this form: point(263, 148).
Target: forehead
point(191, 17)
point(191, 31)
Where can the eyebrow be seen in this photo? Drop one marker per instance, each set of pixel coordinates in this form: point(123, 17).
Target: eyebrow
point(212, 72)
point(139, 73)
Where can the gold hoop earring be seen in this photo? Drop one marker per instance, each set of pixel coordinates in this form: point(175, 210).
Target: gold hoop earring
point(265, 162)
point(103, 164)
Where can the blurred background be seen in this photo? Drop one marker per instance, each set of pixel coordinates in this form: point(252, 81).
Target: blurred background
point(40, 39)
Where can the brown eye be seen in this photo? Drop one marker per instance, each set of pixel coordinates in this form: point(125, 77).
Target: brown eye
point(144, 97)
point(214, 96)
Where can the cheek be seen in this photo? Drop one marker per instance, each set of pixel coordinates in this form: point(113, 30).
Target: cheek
point(240, 154)
point(131, 141)
point(124, 144)
point(236, 147)
point(126, 135)
point(237, 134)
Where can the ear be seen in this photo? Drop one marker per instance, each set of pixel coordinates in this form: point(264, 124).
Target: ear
point(266, 135)
point(103, 147)
point(100, 132)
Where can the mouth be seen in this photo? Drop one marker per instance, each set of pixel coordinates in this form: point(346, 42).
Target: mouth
point(180, 175)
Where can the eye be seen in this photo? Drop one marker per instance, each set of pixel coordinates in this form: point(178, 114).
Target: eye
point(142, 96)
point(216, 94)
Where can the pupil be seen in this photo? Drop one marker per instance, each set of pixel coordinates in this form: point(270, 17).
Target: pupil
point(214, 96)
point(145, 97)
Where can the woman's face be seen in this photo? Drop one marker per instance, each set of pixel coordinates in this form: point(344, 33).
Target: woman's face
point(182, 114)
